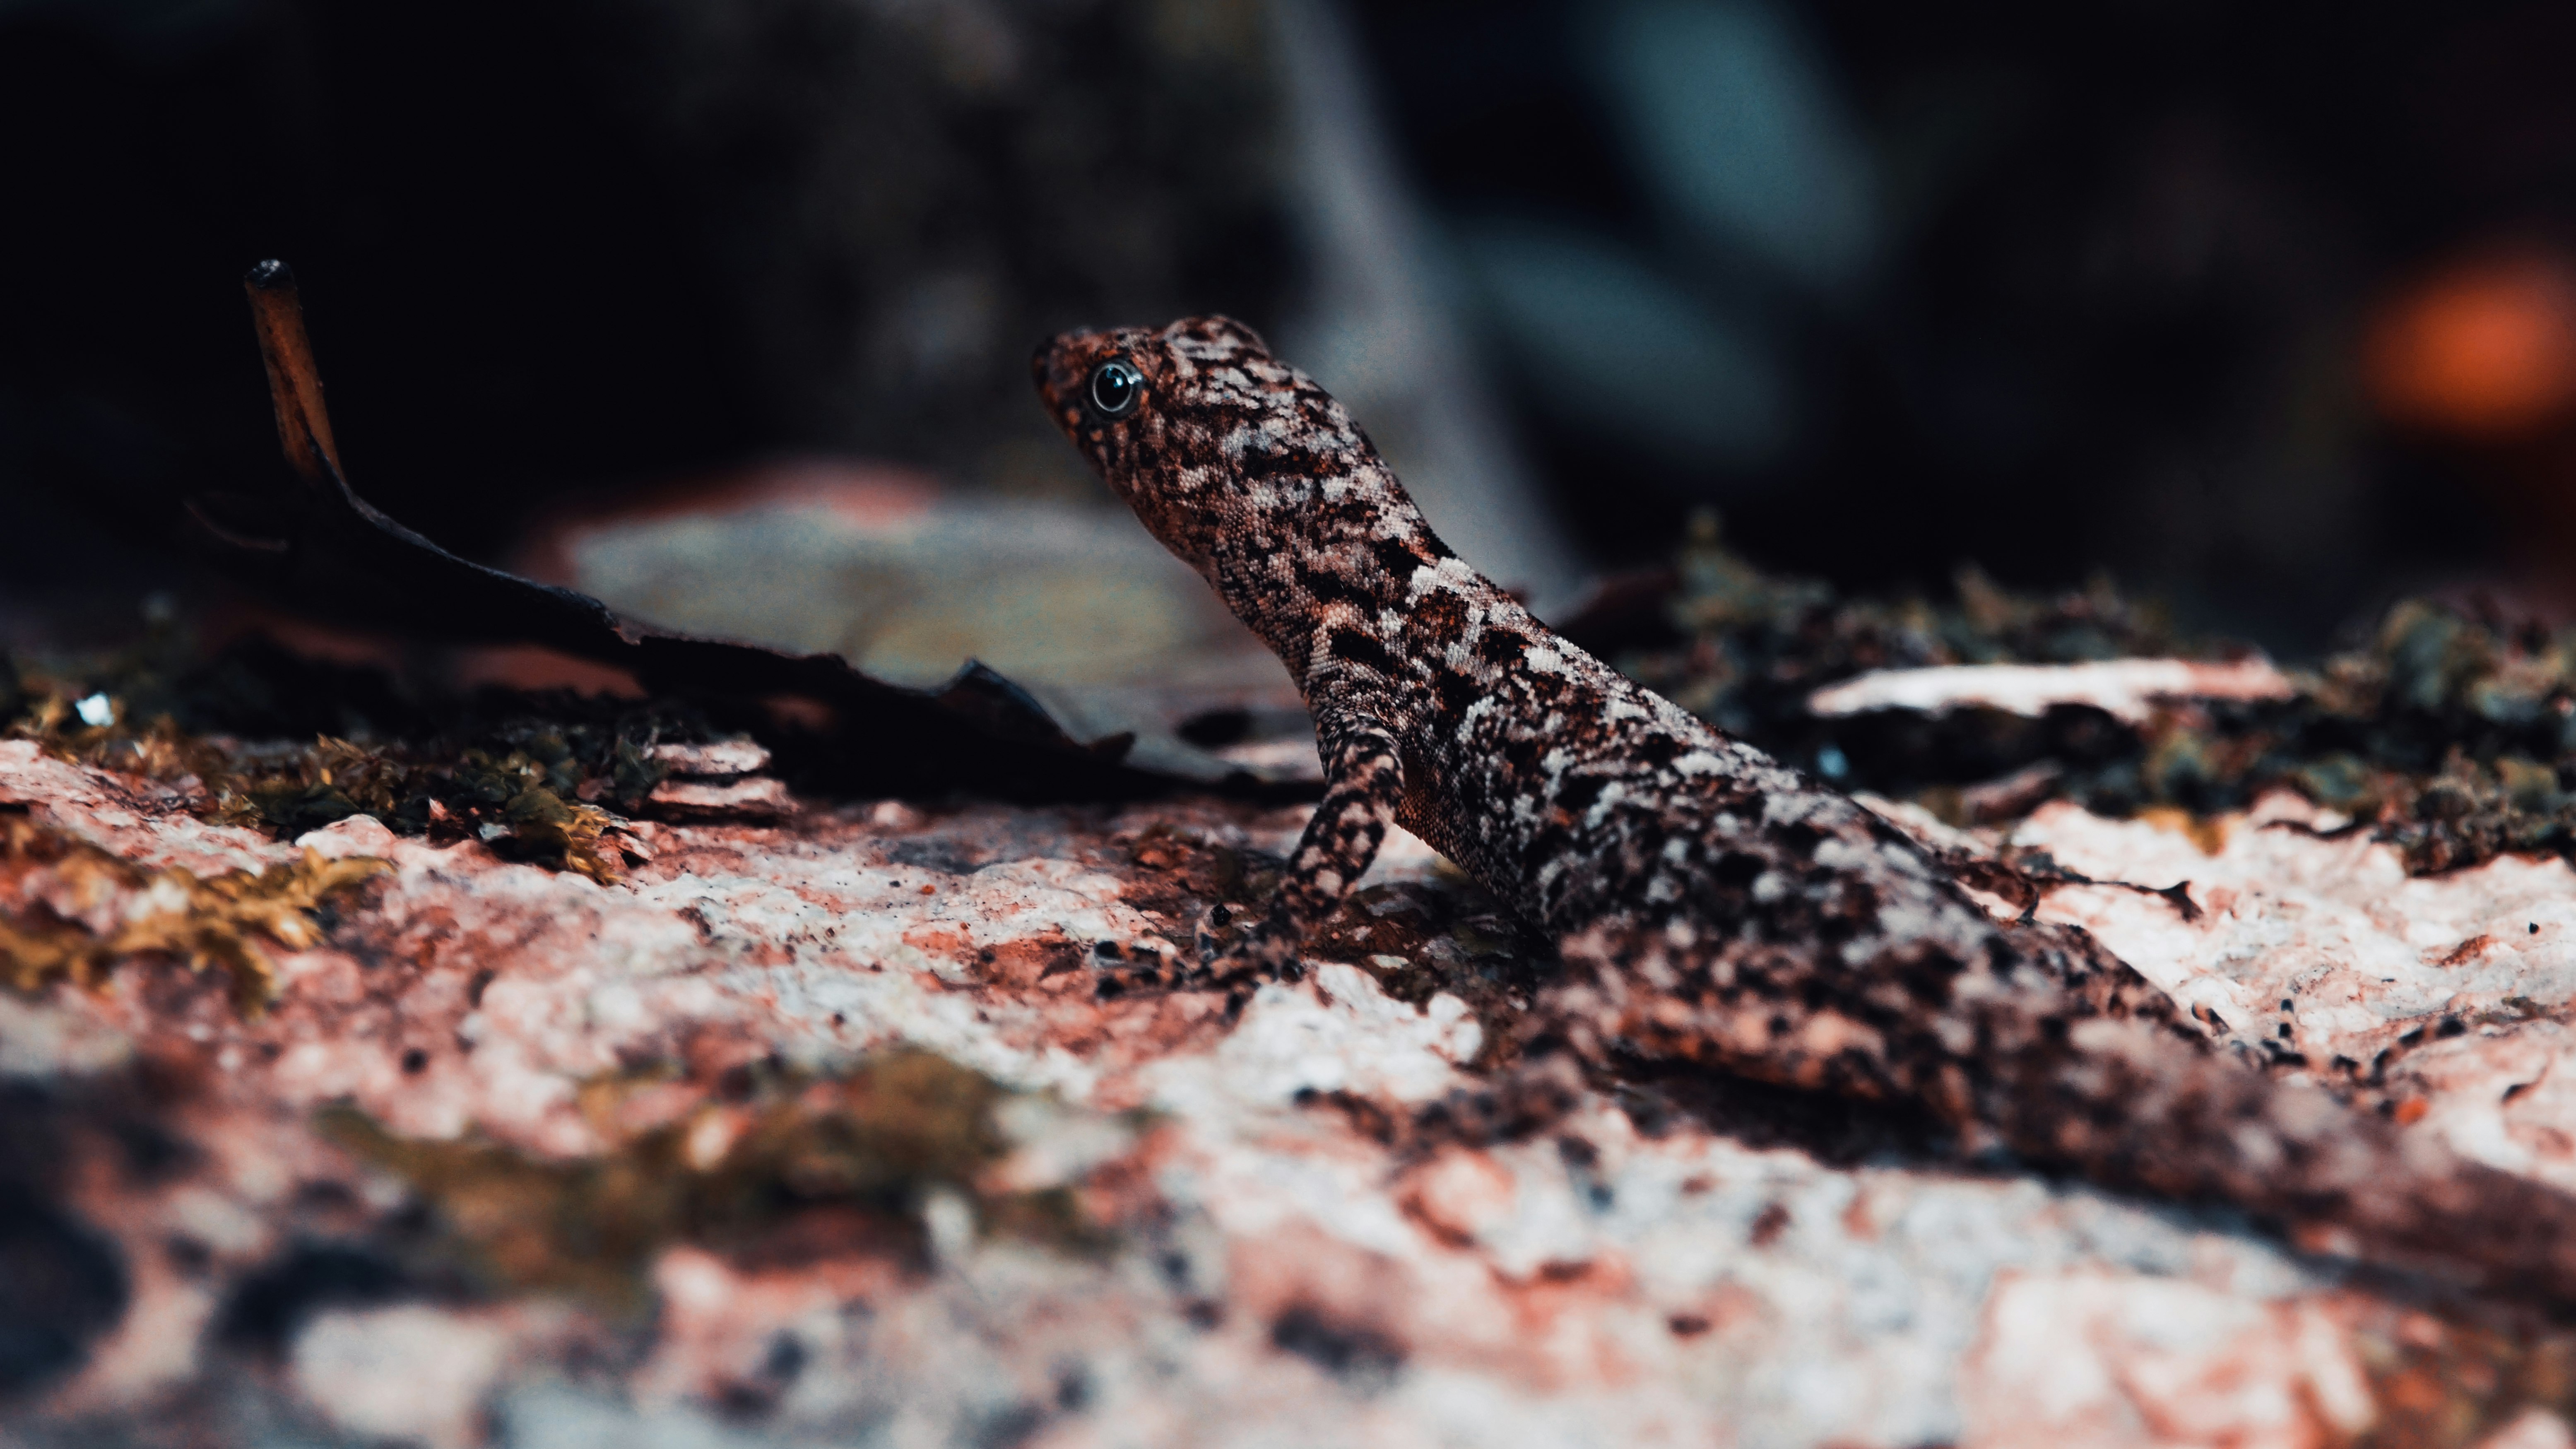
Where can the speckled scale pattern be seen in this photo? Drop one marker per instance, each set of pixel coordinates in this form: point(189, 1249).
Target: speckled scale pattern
point(1713, 905)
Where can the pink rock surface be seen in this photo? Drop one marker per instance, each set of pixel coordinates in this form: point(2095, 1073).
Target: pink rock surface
point(2447, 993)
point(1299, 1240)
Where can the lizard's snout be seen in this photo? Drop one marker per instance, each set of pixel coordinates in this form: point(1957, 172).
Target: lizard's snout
point(1062, 364)
point(1046, 369)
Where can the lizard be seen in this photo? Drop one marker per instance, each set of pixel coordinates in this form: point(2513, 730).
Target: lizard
point(1712, 906)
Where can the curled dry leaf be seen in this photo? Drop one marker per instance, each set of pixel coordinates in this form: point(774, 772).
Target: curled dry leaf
point(319, 548)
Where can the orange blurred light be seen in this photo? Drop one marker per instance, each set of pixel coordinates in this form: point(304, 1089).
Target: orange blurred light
point(2484, 349)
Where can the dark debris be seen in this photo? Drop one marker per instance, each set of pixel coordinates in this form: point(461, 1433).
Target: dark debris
point(2448, 731)
point(536, 776)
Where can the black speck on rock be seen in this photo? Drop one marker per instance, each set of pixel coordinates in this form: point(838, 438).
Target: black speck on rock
point(63, 1286)
point(949, 857)
point(271, 1304)
point(1008, 1428)
point(1347, 1351)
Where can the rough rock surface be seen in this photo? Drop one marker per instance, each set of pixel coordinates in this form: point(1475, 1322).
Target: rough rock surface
point(1368, 1208)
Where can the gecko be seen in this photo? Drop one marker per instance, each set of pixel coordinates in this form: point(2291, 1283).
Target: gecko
point(1712, 906)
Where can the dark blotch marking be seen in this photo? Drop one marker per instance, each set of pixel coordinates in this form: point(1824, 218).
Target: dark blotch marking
point(1738, 869)
point(1927, 978)
point(1353, 647)
point(1656, 750)
point(1456, 691)
point(1328, 587)
point(1395, 558)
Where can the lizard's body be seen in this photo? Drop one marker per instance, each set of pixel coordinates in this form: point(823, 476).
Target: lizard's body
point(1712, 904)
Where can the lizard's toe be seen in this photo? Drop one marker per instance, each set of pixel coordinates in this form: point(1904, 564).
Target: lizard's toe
point(1267, 950)
point(1206, 944)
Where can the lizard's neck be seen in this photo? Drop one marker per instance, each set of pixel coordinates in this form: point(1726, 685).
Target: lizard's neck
point(1330, 552)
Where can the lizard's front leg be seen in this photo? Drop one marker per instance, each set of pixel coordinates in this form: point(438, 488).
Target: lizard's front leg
point(1364, 781)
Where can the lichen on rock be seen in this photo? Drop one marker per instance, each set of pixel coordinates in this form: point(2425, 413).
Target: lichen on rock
point(70, 911)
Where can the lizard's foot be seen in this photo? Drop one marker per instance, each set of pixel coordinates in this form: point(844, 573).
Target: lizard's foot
point(1147, 964)
point(1265, 949)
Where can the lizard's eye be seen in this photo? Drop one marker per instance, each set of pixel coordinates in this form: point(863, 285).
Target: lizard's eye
point(1115, 388)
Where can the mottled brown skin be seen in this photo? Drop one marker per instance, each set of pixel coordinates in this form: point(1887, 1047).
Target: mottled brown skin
point(1712, 904)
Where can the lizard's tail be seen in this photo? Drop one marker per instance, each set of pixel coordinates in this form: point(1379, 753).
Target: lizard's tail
point(2083, 1064)
point(2129, 1105)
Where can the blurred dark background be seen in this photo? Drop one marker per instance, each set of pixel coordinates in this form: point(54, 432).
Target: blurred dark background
point(2267, 308)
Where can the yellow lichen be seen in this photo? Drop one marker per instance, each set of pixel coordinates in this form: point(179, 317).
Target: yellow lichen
point(529, 797)
point(96, 910)
point(576, 831)
point(854, 1156)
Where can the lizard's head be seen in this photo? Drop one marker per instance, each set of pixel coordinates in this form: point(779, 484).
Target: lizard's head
point(1190, 424)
